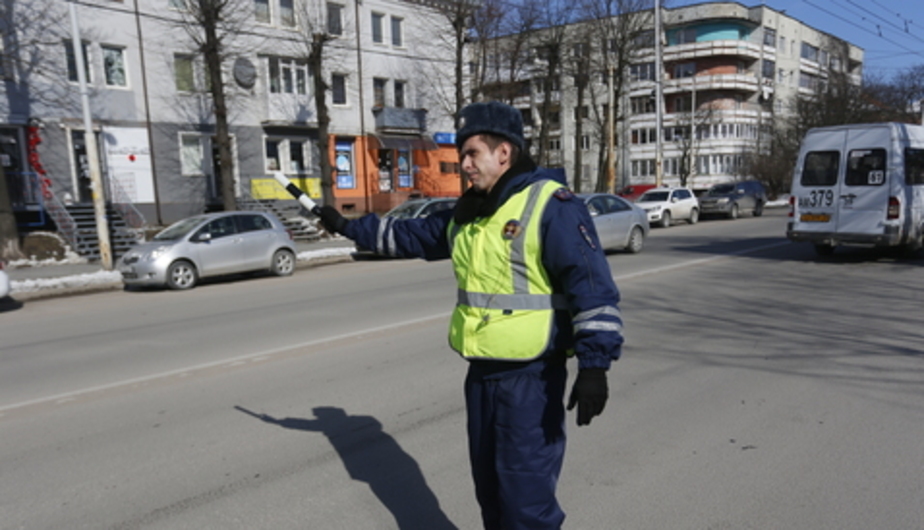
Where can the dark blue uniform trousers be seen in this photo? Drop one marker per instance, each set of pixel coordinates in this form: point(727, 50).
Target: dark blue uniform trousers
point(516, 437)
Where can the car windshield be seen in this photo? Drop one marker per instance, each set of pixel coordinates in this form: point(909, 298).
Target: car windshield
point(177, 229)
point(654, 196)
point(404, 211)
point(722, 189)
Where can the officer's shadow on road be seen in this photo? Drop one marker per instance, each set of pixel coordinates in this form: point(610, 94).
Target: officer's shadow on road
point(372, 456)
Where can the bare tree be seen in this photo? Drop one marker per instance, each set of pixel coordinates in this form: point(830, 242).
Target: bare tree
point(622, 27)
point(691, 124)
point(212, 26)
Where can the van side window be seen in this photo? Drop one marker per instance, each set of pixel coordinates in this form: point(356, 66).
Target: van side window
point(820, 168)
point(866, 167)
point(914, 166)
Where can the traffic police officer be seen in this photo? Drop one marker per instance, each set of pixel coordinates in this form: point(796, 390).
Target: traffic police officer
point(534, 288)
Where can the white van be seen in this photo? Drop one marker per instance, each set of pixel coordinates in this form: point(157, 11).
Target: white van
point(859, 185)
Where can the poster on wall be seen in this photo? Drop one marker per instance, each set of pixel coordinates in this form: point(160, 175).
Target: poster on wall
point(343, 162)
point(128, 160)
point(404, 169)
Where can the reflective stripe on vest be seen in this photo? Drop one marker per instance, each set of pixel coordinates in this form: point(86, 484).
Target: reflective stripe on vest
point(505, 304)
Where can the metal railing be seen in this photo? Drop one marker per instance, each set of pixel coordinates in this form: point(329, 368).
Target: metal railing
point(66, 224)
point(124, 205)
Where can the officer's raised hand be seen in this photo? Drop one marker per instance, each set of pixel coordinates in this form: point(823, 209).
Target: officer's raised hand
point(589, 393)
point(332, 220)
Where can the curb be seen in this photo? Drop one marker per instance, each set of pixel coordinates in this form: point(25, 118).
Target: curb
point(62, 291)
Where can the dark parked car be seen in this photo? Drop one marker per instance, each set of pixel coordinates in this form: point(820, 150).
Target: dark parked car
point(732, 199)
point(210, 245)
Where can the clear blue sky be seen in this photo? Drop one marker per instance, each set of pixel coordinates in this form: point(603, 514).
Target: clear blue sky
point(890, 32)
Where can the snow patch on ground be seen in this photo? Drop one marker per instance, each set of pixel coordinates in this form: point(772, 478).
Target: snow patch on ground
point(104, 277)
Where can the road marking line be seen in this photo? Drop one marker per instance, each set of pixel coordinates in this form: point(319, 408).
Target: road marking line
point(263, 355)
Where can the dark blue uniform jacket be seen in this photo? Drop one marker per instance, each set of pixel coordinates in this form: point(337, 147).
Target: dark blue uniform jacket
point(571, 254)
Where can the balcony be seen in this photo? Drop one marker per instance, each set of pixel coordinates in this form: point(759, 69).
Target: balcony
point(715, 48)
point(735, 82)
point(400, 120)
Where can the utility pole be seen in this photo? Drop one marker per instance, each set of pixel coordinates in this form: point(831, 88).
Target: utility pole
point(610, 140)
point(96, 180)
point(659, 96)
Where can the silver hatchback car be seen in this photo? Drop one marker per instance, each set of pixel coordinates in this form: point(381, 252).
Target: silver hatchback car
point(207, 245)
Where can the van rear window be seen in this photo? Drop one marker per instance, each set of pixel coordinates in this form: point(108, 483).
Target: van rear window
point(914, 166)
point(820, 168)
point(866, 167)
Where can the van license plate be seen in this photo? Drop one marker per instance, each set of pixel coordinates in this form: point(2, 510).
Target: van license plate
point(815, 217)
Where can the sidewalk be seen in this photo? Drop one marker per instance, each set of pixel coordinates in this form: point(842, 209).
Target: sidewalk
point(34, 280)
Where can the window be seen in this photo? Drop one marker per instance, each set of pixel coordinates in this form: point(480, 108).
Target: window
point(683, 104)
point(272, 155)
point(261, 10)
point(820, 168)
point(770, 37)
point(581, 49)
point(397, 38)
point(288, 76)
point(555, 144)
point(378, 91)
point(642, 72)
point(114, 66)
point(338, 89)
point(642, 105)
point(914, 166)
point(581, 113)
point(377, 35)
point(335, 19)
point(252, 222)
point(72, 61)
point(768, 69)
point(287, 13)
point(684, 70)
point(644, 39)
point(450, 167)
point(685, 36)
point(399, 93)
point(808, 81)
point(866, 167)
point(297, 156)
point(192, 151)
point(585, 142)
point(184, 73)
point(809, 52)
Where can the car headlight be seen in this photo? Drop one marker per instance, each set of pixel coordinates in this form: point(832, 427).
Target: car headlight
point(156, 253)
point(723, 200)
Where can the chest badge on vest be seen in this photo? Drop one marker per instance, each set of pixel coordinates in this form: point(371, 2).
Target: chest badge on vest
point(512, 229)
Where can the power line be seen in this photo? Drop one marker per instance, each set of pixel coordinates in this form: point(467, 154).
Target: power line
point(892, 24)
point(858, 26)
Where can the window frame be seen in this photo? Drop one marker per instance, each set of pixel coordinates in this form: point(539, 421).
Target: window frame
point(104, 48)
point(377, 28)
point(70, 59)
point(396, 25)
point(342, 79)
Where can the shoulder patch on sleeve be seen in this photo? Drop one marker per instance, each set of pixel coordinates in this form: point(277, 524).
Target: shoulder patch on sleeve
point(563, 194)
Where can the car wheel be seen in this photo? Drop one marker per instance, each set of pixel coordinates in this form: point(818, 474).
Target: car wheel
point(694, 216)
point(283, 263)
point(824, 250)
point(636, 240)
point(666, 219)
point(759, 209)
point(733, 213)
point(182, 275)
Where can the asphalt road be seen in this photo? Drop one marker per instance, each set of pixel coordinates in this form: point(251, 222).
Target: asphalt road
point(760, 388)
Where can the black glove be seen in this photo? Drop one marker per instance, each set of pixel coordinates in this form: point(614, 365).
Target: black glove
point(589, 393)
point(331, 219)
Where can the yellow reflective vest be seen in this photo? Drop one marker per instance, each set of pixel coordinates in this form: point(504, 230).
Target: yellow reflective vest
point(505, 305)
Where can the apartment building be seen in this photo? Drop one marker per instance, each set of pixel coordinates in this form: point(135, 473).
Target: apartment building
point(727, 72)
point(386, 64)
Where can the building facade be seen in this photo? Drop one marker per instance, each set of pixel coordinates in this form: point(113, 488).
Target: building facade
point(386, 66)
point(727, 72)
